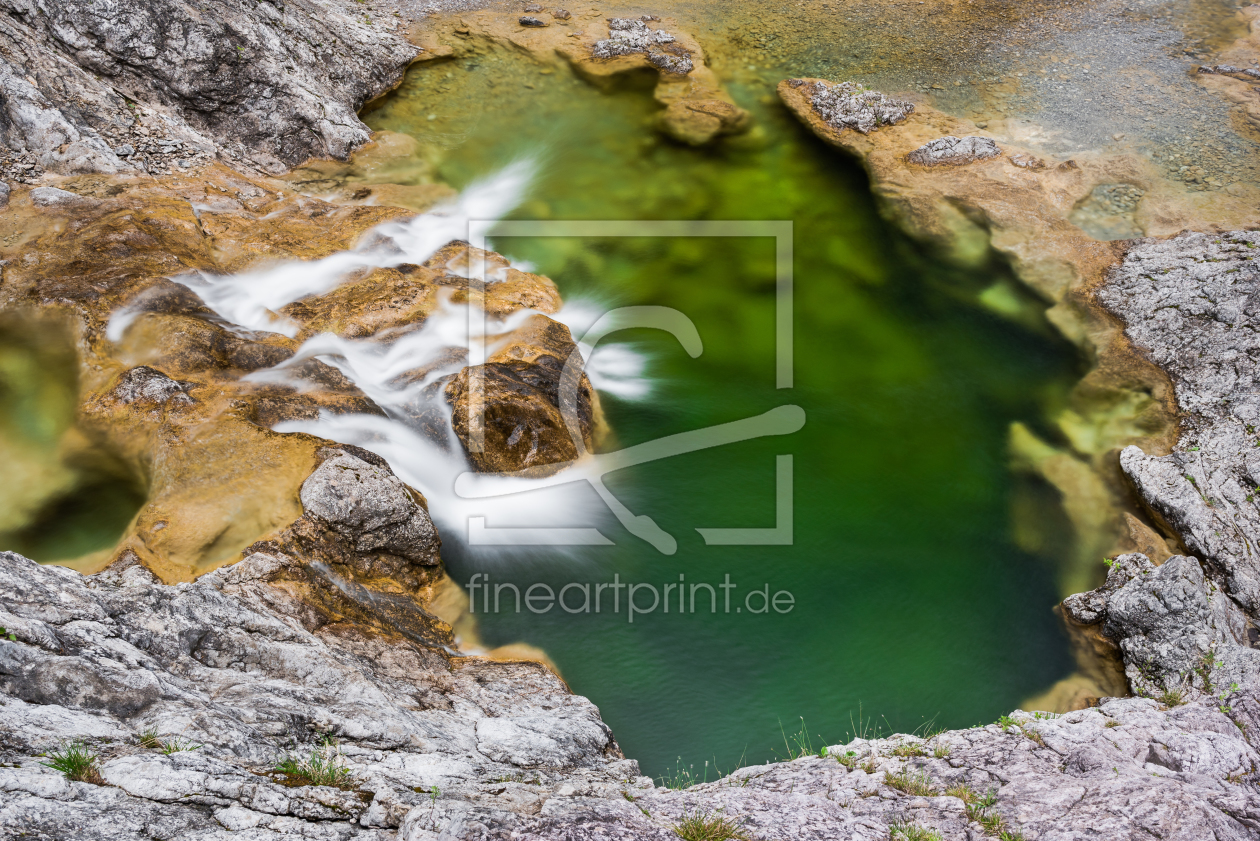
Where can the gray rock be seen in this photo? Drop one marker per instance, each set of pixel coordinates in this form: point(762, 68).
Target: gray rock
point(849, 106)
point(277, 83)
point(53, 197)
point(236, 671)
point(531, 20)
point(368, 503)
point(1175, 630)
point(149, 385)
point(124, 151)
point(954, 151)
point(1192, 305)
point(627, 36)
point(4, 194)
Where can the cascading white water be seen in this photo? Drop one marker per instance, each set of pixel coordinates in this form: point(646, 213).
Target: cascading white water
point(399, 368)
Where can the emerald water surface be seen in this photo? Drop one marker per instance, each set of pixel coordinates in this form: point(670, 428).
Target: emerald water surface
point(911, 599)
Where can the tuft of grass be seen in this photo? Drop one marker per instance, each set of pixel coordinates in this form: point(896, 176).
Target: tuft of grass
point(1006, 723)
point(179, 744)
point(324, 767)
point(1171, 698)
point(906, 831)
point(681, 778)
point(980, 810)
point(870, 766)
point(149, 739)
point(709, 826)
point(76, 762)
point(941, 750)
point(1033, 734)
point(909, 749)
point(1112, 723)
point(918, 783)
point(799, 743)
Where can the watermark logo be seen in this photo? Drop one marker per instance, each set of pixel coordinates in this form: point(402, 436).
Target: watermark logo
point(782, 420)
point(680, 597)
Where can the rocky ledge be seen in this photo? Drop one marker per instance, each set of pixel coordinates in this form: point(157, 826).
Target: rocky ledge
point(212, 709)
point(141, 85)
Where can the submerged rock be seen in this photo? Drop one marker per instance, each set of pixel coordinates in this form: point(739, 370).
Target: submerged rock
point(954, 151)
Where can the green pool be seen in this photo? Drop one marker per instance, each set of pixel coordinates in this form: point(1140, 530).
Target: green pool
point(910, 600)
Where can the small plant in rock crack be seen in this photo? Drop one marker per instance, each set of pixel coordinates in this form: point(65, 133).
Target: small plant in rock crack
point(909, 749)
point(848, 759)
point(682, 778)
point(149, 739)
point(1171, 697)
point(709, 826)
point(918, 784)
point(325, 766)
point(799, 743)
point(7, 634)
point(906, 831)
point(76, 762)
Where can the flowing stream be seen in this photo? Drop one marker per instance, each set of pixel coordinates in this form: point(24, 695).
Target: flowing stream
point(910, 597)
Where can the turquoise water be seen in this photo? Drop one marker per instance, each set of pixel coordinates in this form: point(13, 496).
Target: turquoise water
point(911, 601)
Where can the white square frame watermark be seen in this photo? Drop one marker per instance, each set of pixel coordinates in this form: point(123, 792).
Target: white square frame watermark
point(779, 421)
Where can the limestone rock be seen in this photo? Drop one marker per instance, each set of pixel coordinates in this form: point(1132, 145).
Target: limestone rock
point(1190, 305)
point(276, 83)
point(849, 106)
point(359, 496)
point(954, 151)
point(627, 36)
point(232, 671)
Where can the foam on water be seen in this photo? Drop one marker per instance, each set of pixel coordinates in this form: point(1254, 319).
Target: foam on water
point(401, 370)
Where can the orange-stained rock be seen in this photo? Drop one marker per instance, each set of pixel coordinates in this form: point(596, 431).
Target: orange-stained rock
point(166, 400)
point(697, 109)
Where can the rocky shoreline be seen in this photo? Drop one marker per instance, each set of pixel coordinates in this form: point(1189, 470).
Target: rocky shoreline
point(326, 645)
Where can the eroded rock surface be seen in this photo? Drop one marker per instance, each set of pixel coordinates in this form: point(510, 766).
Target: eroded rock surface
point(954, 151)
point(845, 105)
point(273, 83)
point(239, 673)
point(604, 51)
point(1189, 303)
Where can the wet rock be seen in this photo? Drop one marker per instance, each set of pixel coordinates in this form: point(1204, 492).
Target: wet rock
point(508, 413)
point(1109, 212)
point(849, 106)
point(954, 151)
point(698, 122)
point(148, 385)
point(696, 108)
